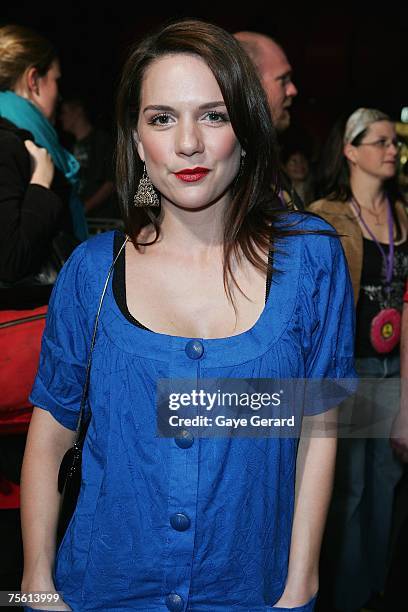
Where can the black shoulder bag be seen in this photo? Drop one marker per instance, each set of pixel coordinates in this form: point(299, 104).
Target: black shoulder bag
point(70, 471)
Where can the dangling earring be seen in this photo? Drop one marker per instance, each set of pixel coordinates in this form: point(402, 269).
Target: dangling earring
point(146, 194)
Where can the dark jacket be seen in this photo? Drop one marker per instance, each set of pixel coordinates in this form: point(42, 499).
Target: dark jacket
point(30, 217)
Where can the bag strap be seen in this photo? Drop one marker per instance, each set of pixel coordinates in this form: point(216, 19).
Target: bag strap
point(82, 427)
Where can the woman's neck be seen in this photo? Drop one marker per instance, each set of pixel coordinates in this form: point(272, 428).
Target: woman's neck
point(369, 192)
point(196, 232)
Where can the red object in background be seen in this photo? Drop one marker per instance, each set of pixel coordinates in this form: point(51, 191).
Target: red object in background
point(9, 494)
point(406, 293)
point(20, 343)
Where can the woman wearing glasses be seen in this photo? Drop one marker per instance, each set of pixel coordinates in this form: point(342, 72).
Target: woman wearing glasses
point(363, 203)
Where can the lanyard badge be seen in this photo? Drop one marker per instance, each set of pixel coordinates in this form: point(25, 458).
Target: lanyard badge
point(385, 329)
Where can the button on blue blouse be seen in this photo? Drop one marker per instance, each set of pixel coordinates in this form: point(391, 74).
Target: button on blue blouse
point(180, 521)
point(174, 602)
point(185, 523)
point(185, 439)
point(194, 349)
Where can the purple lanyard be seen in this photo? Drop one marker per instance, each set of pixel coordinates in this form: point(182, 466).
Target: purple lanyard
point(388, 259)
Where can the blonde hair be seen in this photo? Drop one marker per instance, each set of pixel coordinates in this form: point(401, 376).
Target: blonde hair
point(360, 120)
point(22, 48)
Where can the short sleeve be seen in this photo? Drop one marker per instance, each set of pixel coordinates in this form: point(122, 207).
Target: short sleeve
point(328, 323)
point(65, 344)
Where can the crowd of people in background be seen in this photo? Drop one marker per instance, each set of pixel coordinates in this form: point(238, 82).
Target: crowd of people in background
point(93, 149)
point(52, 197)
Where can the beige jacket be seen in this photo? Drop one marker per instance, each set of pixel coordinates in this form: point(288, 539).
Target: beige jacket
point(339, 215)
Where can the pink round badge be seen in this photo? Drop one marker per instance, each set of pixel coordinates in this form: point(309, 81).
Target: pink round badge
point(386, 330)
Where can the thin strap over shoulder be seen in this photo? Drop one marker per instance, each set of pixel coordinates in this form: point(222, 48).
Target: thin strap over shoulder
point(119, 283)
point(81, 430)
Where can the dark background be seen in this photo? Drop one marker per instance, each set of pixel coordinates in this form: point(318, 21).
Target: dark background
point(343, 56)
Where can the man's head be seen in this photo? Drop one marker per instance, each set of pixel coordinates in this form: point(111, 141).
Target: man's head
point(275, 73)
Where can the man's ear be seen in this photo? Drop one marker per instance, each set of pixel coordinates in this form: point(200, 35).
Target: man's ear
point(350, 152)
point(139, 145)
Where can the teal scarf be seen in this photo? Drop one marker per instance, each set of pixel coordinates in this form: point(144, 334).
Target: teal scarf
point(26, 116)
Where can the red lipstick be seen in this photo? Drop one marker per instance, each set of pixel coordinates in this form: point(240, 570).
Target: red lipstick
point(190, 175)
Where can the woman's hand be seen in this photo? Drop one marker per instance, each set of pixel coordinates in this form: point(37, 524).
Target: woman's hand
point(42, 165)
point(292, 598)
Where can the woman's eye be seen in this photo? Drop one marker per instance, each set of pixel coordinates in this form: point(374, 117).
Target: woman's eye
point(216, 117)
point(162, 119)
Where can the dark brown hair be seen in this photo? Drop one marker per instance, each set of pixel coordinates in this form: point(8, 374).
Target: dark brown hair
point(22, 48)
point(249, 222)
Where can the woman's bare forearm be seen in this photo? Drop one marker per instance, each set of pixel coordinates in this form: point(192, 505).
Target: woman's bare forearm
point(312, 501)
point(314, 481)
point(47, 441)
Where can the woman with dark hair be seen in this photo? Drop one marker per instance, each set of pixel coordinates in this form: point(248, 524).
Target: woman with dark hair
point(363, 203)
point(187, 521)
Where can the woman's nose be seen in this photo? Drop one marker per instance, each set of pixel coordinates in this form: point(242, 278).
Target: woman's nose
point(189, 139)
point(394, 147)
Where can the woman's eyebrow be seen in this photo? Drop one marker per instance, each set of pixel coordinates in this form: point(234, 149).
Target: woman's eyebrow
point(158, 107)
point(211, 104)
point(164, 107)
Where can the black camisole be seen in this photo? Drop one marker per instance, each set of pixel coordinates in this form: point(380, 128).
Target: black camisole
point(119, 284)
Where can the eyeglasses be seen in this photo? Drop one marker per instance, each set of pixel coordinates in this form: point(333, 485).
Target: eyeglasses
point(383, 143)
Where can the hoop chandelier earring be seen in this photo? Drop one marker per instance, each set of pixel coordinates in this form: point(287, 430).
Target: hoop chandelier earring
point(146, 195)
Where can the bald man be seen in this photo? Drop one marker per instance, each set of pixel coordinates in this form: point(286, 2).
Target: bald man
point(275, 73)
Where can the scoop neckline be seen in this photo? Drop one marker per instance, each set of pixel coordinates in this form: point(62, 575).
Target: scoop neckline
point(118, 281)
point(228, 351)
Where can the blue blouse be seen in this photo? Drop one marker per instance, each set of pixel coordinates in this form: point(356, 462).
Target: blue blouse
point(195, 523)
